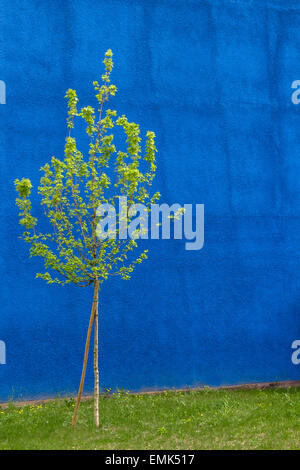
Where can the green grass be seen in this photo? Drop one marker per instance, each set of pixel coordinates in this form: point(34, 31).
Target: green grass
point(208, 419)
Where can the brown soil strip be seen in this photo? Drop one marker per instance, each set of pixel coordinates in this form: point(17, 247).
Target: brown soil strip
point(250, 386)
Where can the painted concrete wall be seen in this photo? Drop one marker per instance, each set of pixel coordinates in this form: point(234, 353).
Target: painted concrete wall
point(213, 79)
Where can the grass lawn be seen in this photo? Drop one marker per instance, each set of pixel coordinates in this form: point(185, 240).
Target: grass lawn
point(208, 419)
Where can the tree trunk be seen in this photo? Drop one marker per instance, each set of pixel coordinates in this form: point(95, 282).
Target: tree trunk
point(96, 365)
point(86, 351)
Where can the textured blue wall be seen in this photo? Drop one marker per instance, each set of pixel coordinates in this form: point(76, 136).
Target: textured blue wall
point(213, 79)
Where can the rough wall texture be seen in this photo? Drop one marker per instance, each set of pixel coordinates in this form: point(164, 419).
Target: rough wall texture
point(213, 79)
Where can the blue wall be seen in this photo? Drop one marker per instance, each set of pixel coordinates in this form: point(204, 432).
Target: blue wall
point(213, 79)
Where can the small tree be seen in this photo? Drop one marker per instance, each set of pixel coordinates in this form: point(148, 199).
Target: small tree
point(71, 191)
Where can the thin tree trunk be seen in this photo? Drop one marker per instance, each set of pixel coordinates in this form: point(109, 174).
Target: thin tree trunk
point(86, 352)
point(96, 365)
